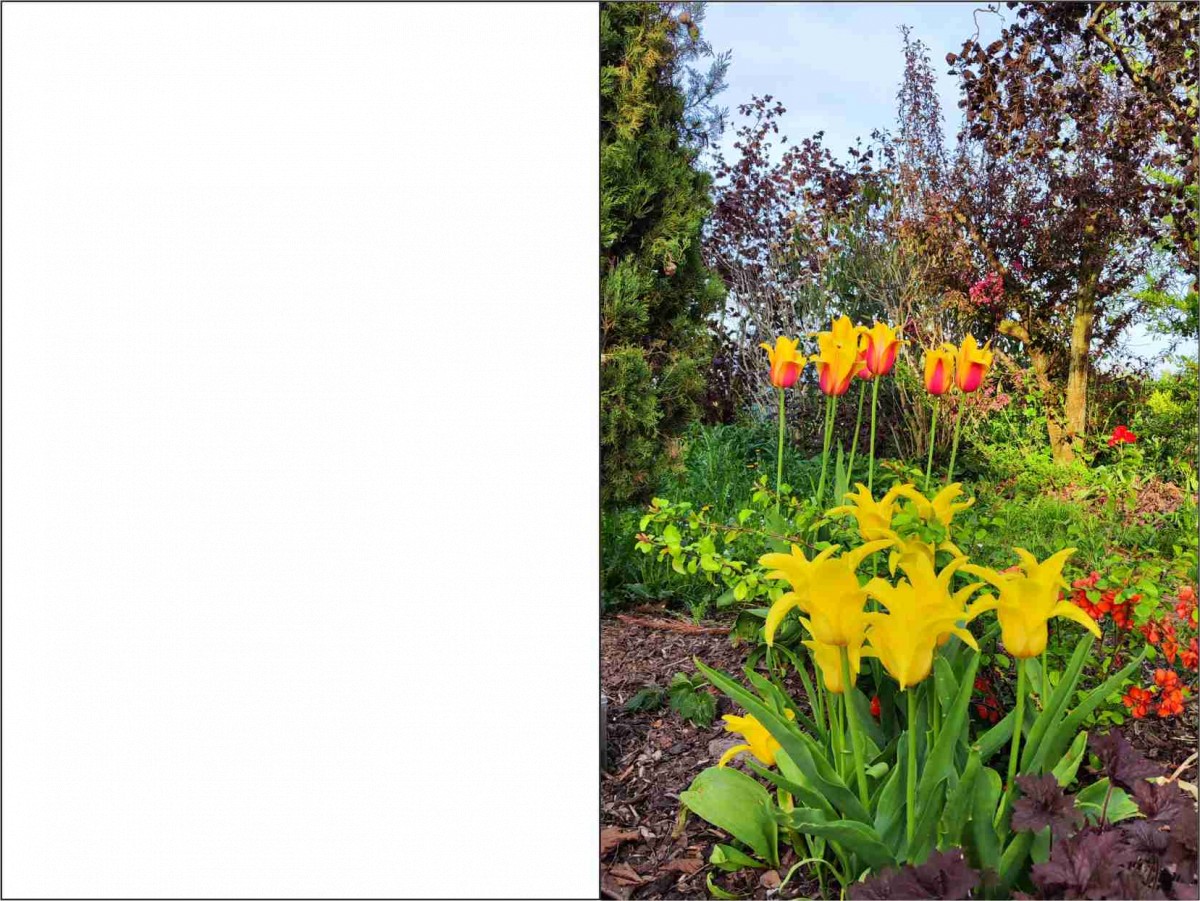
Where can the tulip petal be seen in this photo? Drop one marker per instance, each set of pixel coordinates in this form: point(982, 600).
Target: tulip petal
point(966, 636)
point(856, 556)
point(732, 753)
point(1069, 611)
point(778, 611)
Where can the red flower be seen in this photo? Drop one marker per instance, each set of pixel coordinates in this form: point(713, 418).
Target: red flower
point(875, 708)
point(1166, 679)
point(1121, 435)
point(1138, 701)
point(1171, 703)
point(1190, 656)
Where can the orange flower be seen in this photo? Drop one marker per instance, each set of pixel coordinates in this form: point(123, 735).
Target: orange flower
point(939, 369)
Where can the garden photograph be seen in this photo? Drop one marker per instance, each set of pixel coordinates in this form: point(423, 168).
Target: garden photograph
point(899, 404)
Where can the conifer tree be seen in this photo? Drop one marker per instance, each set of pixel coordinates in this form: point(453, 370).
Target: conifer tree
point(655, 292)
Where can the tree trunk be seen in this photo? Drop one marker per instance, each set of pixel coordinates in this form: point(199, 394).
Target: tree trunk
point(1077, 373)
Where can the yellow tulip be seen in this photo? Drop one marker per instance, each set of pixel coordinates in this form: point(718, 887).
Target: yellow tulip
point(786, 363)
point(882, 345)
point(942, 508)
point(759, 741)
point(840, 356)
point(913, 547)
point(874, 518)
point(939, 369)
point(828, 658)
point(826, 588)
point(921, 613)
point(972, 364)
point(1029, 599)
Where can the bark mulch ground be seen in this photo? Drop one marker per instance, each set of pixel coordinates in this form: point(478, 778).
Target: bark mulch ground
point(653, 756)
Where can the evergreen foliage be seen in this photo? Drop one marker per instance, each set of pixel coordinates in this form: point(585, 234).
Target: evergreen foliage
point(655, 292)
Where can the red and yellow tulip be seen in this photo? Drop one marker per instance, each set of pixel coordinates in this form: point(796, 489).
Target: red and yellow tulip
point(839, 356)
point(972, 364)
point(882, 345)
point(939, 369)
point(786, 363)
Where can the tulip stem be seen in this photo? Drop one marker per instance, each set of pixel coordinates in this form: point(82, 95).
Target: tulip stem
point(862, 393)
point(932, 433)
point(779, 461)
point(874, 405)
point(830, 412)
point(910, 794)
point(954, 445)
point(1018, 721)
point(852, 715)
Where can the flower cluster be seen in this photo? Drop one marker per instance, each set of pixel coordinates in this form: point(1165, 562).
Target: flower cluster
point(1121, 435)
point(1122, 611)
point(988, 291)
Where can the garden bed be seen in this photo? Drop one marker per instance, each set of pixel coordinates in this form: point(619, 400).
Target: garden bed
point(654, 755)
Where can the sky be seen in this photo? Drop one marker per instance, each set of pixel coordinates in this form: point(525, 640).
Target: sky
point(836, 67)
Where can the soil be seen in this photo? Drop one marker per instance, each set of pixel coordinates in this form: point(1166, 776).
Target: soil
point(653, 756)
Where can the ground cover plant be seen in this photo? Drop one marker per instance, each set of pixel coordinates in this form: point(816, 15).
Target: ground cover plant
point(924, 568)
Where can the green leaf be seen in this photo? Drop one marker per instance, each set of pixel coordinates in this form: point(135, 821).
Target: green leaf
point(929, 809)
point(958, 804)
point(983, 811)
point(717, 892)
point(805, 752)
point(648, 698)
point(671, 535)
point(940, 762)
point(1056, 705)
point(709, 563)
point(734, 802)
point(1091, 801)
point(1039, 851)
point(793, 783)
point(1058, 735)
point(859, 838)
point(1066, 768)
point(889, 806)
point(730, 859)
point(944, 682)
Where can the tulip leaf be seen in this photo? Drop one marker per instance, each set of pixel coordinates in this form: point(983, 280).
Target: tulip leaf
point(805, 752)
point(958, 804)
point(798, 791)
point(983, 812)
point(944, 682)
point(734, 802)
point(717, 892)
point(1013, 860)
point(1058, 735)
point(929, 809)
point(1056, 704)
point(768, 690)
point(1066, 768)
point(940, 761)
point(859, 838)
point(889, 807)
point(818, 725)
point(730, 859)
